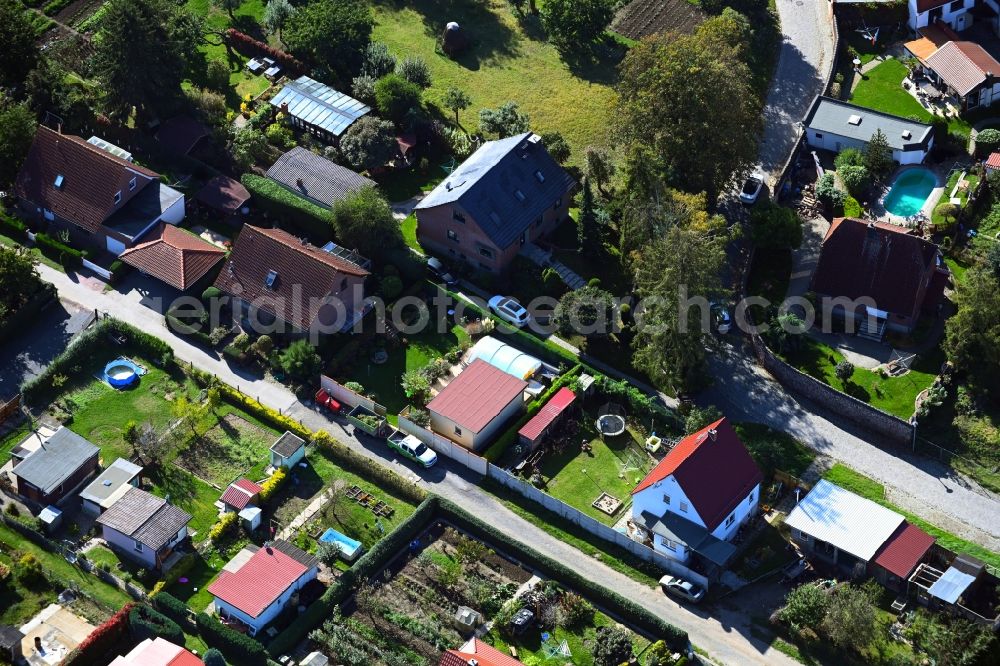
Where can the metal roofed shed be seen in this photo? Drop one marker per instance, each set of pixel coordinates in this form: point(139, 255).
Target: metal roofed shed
point(951, 585)
point(844, 520)
point(314, 105)
point(535, 429)
point(504, 357)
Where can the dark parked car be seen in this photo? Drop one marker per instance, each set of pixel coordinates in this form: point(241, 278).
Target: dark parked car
point(437, 269)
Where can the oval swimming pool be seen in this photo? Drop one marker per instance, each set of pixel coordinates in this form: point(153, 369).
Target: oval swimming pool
point(909, 192)
point(121, 373)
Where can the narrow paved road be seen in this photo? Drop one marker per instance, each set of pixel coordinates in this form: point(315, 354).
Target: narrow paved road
point(725, 635)
point(806, 54)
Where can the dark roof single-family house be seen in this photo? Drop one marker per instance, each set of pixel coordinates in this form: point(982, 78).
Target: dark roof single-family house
point(174, 256)
point(148, 523)
point(316, 178)
point(901, 272)
point(224, 194)
point(51, 472)
point(100, 196)
point(507, 193)
point(290, 279)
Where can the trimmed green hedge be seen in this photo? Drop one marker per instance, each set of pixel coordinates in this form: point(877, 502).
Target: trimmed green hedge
point(90, 343)
point(13, 227)
point(68, 257)
point(612, 602)
point(287, 206)
point(145, 622)
point(178, 327)
point(238, 648)
point(172, 607)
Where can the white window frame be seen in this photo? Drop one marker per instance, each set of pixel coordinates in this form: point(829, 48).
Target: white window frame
point(731, 519)
point(684, 507)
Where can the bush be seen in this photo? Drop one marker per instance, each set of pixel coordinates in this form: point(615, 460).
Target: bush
point(301, 361)
point(273, 484)
point(217, 75)
point(849, 157)
point(391, 287)
point(172, 607)
point(28, 570)
point(213, 657)
point(415, 70)
point(852, 208)
point(828, 192)
point(395, 97)
point(210, 294)
point(774, 226)
point(13, 227)
point(145, 622)
point(67, 257)
point(285, 205)
point(280, 136)
point(225, 524)
point(238, 648)
point(987, 141)
point(855, 179)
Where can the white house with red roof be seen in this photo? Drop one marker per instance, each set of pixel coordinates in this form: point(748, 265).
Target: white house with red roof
point(258, 583)
point(698, 496)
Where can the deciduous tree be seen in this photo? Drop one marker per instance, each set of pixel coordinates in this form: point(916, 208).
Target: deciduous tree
point(850, 620)
point(506, 120)
point(369, 143)
point(589, 311)
point(396, 97)
point(972, 335)
point(775, 226)
point(556, 145)
point(575, 24)
point(363, 220)
point(19, 53)
point(17, 130)
point(456, 100)
point(691, 108)
point(805, 606)
point(228, 6)
point(332, 35)
point(19, 279)
point(599, 168)
point(612, 646)
point(276, 15)
point(301, 361)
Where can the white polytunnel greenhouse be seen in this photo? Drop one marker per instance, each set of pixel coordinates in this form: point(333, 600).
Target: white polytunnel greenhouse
point(504, 357)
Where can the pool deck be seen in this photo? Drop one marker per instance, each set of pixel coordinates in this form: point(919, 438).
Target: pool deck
point(879, 212)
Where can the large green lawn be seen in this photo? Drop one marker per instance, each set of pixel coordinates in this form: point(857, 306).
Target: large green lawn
point(895, 395)
point(614, 466)
point(248, 15)
point(504, 62)
point(881, 89)
point(857, 483)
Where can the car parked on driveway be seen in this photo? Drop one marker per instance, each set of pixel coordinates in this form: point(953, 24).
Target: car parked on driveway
point(412, 448)
point(438, 270)
point(681, 588)
point(752, 187)
point(509, 310)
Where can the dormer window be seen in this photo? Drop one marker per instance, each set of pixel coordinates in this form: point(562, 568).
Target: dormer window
point(540, 176)
point(272, 277)
point(131, 184)
point(519, 195)
point(60, 179)
point(118, 197)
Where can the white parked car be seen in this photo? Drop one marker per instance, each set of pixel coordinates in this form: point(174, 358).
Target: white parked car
point(752, 187)
point(412, 448)
point(682, 588)
point(509, 310)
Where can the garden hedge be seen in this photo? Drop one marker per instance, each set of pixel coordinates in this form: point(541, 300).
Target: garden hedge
point(172, 607)
point(247, 45)
point(285, 205)
point(145, 622)
point(612, 602)
point(81, 352)
point(13, 227)
point(238, 648)
point(68, 257)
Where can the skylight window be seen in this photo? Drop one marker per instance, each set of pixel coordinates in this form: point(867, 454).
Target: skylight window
point(272, 277)
point(60, 179)
point(854, 120)
point(540, 176)
point(519, 195)
point(494, 217)
point(118, 197)
point(131, 184)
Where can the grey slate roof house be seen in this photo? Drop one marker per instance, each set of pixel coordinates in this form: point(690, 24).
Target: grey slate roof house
point(316, 178)
point(144, 527)
point(835, 125)
point(507, 194)
point(53, 472)
point(110, 484)
point(317, 108)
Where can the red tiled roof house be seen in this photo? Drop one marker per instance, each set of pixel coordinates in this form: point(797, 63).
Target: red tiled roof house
point(256, 585)
point(901, 274)
point(239, 495)
point(275, 277)
point(697, 497)
point(175, 257)
point(474, 407)
point(477, 652)
point(101, 199)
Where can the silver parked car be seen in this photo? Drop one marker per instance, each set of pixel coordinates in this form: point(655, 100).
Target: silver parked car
point(509, 310)
point(682, 589)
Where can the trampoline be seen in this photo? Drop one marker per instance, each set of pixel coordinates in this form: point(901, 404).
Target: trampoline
point(122, 373)
point(611, 420)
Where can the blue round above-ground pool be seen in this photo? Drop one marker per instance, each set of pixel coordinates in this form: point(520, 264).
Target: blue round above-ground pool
point(121, 373)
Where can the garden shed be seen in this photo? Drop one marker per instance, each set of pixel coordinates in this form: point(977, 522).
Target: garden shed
point(535, 430)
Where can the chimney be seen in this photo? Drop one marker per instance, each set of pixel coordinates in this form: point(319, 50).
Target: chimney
point(299, 184)
point(270, 551)
point(713, 434)
point(38, 644)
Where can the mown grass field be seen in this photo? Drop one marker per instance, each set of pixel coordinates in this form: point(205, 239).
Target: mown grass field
point(507, 60)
